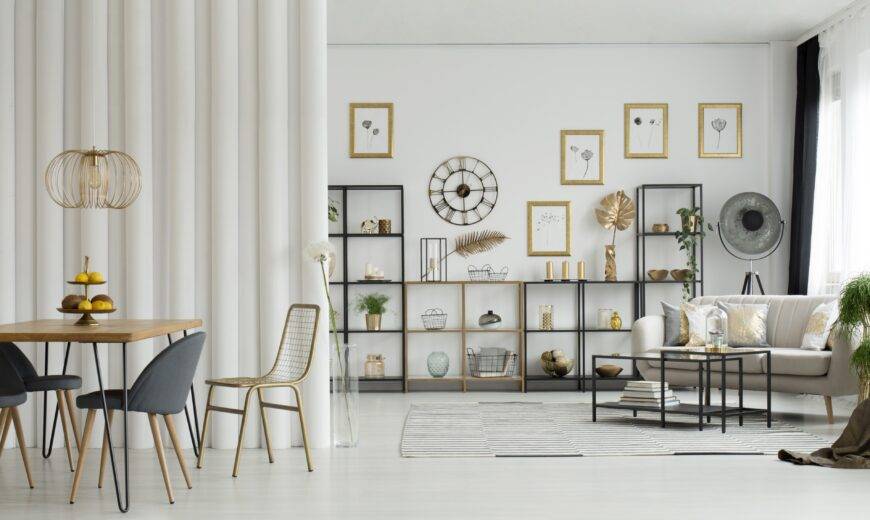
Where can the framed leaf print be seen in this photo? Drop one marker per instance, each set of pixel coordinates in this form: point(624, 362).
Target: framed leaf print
point(720, 130)
point(646, 130)
point(548, 228)
point(582, 156)
point(371, 130)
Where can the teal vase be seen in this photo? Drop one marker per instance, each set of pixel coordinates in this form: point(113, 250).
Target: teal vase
point(438, 364)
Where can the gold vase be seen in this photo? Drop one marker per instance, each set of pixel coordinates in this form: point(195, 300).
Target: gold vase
point(615, 321)
point(373, 322)
point(610, 263)
point(863, 388)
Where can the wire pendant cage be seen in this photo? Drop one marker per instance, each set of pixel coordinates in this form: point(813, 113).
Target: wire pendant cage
point(93, 179)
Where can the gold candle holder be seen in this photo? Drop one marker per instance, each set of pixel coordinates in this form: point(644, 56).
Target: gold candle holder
point(581, 270)
point(549, 270)
point(566, 270)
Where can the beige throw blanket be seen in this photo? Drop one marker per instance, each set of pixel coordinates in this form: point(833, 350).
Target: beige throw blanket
point(850, 451)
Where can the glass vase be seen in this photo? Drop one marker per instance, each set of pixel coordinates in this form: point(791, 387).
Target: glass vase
point(345, 396)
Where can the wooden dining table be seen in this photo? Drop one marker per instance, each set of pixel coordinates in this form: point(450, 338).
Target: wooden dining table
point(110, 332)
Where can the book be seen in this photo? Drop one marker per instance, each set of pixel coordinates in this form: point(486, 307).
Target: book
point(649, 402)
point(656, 394)
point(643, 385)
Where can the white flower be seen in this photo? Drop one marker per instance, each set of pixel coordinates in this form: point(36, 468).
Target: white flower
point(319, 251)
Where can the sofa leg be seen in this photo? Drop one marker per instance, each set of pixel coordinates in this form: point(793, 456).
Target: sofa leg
point(829, 408)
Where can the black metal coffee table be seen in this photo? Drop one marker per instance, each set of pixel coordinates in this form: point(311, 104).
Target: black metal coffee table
point(704, 357)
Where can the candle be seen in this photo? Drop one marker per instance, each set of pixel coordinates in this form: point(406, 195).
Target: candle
point(431, 264)
point(566, 270)
point(368, 269)
point(581, 270)
point(549, 270)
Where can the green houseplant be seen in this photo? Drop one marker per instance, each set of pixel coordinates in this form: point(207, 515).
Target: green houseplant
point(691, 231)
point(373, 305)
point(855, 318)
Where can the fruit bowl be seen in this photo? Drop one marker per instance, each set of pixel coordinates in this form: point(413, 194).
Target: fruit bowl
point(86, 318)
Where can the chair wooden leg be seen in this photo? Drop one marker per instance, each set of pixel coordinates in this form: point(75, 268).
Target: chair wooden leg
point(104, 452)
point(19, 433)
point(5, 418)
point(304, 429)
point(204, 428)
point(829, 408)
point(158, 446)
point(86, 436)
point(173, 436)
point(73, 420)
point(66, 444)
point(242, 432)
point(265, 426)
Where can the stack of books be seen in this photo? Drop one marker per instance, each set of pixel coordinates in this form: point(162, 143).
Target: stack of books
point(648, 393)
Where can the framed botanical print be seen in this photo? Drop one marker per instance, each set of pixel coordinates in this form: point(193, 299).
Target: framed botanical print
point(548, 228)
point(646, 130)
point(582, 156)
point(720, 130)
point(371, 130)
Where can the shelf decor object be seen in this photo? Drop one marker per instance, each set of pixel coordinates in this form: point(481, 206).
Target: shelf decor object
point(617, 212)
point(545, 317)
point(581, 270)
point(433, 259)
point(385, 226)
point(615, 321)
point(490, 320)
point(371, 130)
point(438, 363)
point(549, 276)
point(548, 228)
point(75, 304)
point(556, 364)
point(463, 190)
point(374, 366)
point(434, 319)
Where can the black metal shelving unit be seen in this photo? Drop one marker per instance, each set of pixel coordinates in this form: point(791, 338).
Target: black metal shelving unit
point(642, 234)
point(578, 381)
point(391, 382)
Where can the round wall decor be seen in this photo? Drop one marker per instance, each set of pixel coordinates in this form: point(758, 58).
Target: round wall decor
point(463, 190)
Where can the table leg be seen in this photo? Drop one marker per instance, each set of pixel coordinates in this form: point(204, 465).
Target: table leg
point(740, 386)
point(722, 391)
point(49, 446)
point(194, 437)
point(121, 506)
point(769, 372)
point(594, 389)
point(707, 390)
point(662, 385)
point(700, 396)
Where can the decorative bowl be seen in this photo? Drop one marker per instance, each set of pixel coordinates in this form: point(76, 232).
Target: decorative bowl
point(556, 364)
point(657, 274)
point(680, 275)
point(608, 370)
point(660, 228)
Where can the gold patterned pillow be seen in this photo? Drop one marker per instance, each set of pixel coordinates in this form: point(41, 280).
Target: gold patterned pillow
point(695, 323)
point(747, 324)
point(819, 326)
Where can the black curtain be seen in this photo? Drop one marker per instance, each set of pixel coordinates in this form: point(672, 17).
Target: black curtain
point(806, 133)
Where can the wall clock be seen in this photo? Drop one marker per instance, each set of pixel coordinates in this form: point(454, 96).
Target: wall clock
point(463, 190)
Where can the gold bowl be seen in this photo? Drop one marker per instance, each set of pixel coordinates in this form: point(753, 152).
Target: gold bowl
point(680, 275)
point(657, 274)
point(660, 228)
point(608, 370)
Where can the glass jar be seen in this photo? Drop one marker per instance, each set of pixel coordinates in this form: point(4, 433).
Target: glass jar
point(374, 366)
point(604, 316)
point(545, 317)
point(717, 328)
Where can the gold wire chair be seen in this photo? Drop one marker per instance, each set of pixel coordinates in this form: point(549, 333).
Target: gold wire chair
point(290, 369)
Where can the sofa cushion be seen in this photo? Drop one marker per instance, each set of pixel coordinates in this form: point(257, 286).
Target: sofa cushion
point(751, 364)
point(798, 362)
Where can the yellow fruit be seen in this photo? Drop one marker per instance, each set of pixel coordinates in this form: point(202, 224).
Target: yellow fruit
point(99, 305)
point(85, 305)
point(96, 277)
point(105, 300)
point(82, 277)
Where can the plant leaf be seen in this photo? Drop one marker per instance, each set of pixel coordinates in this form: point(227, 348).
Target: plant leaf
point(475, 242)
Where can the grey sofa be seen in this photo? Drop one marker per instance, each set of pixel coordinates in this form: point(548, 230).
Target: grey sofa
point(795, 370)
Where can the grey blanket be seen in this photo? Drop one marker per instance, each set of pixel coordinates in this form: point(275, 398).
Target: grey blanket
point(850, 451)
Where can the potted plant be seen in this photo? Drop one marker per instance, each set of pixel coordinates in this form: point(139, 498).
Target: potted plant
point(854, 318)
point(374, 305)
point(691, 231)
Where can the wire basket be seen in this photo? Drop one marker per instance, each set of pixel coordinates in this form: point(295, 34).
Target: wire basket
point(434, 319)
point(498, 276)
point(491, 365)
point(481, 274)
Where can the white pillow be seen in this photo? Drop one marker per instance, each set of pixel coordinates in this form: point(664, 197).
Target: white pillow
point(696, 316)
point(819, 326)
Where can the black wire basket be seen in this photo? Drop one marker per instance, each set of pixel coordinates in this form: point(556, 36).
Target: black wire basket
point(434, 319)
point(491, 365)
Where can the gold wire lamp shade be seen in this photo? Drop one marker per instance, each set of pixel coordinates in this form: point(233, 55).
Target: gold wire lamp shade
point(93, 179)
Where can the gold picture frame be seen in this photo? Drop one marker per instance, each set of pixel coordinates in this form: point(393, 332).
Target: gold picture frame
point(635, 146)
point(562, 246)
point(706, 150)
point(371, 146)
point(568, 164)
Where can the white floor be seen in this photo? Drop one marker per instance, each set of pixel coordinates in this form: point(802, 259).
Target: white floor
point(372, 481)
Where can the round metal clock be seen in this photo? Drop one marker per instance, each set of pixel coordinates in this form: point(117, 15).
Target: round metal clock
point(463, 190)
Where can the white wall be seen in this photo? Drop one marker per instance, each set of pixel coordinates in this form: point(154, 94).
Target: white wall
point(506, 106)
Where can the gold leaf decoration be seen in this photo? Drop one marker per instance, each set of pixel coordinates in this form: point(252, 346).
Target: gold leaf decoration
point(475, 242)
point(617, 211)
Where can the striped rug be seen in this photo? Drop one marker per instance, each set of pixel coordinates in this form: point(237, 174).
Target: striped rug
point(531, 429)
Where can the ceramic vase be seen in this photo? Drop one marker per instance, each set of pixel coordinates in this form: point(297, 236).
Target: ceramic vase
point(438, 364)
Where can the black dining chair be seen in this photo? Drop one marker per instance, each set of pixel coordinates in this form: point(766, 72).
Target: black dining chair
point(61, 385)
point(161, 389)
point(13, 394)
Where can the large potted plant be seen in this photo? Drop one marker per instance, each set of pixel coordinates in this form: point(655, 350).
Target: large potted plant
point(854, 319)
point(373, 305)
point(691, 231)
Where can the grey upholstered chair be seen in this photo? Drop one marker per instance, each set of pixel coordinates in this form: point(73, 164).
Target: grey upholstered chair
point(289, 371)
point(61, 385)
point(161, 389)
point(12, 394)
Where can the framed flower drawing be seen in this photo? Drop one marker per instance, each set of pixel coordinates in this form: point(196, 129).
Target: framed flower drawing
point(548, 228)
point(582, 156)
point(720, 130)
point(371, 130)
point(646, 130)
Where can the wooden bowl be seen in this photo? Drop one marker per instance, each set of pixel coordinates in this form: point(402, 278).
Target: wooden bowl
point(680, 275)
point(657, 274)
point(660, 228)
point(608, 370)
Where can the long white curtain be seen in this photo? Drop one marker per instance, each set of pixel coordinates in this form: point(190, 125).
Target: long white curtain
point(208, 97)
point(840, 240)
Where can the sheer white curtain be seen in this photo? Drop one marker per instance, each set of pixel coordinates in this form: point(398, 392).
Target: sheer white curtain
point(841, 216)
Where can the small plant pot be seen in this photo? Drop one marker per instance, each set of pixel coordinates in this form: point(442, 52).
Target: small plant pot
point(373, 322)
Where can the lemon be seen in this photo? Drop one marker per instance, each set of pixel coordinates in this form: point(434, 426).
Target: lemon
point(85, 305)
point(95, 277)
point(82, 277)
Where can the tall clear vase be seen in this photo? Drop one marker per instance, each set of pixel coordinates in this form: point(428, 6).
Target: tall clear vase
point(345, 396)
